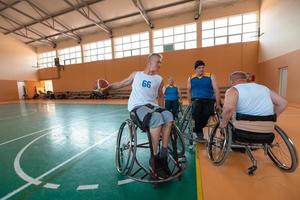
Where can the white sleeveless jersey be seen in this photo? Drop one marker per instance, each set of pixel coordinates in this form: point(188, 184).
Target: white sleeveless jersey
point(144, 90)
point(254, 99)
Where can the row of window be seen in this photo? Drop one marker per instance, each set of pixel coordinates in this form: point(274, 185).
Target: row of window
point(226, 30)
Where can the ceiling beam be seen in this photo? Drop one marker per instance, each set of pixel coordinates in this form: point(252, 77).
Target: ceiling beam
point(138, 4)
point(73, 35)
point(42, 37)
point(9, 5)
point(44, 23)
point(50, 16)
point(124, 17)
point(100, 24)
point(198, 9)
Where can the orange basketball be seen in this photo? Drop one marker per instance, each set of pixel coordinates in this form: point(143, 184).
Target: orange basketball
point(101, 84)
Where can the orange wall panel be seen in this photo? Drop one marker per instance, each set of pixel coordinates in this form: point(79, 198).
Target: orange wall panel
point(268, 74)
point(8, 90)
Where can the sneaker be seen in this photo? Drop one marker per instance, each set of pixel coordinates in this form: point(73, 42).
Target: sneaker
point(165, 166)
point(156, 168)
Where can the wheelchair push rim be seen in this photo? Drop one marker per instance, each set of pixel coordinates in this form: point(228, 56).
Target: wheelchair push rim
point(283, 152)
point(125, 148)
point(219, 143)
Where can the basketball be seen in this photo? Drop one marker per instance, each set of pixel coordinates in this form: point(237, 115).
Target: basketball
point(101, 84)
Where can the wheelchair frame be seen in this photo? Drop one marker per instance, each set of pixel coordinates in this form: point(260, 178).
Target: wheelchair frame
point(128, 164)
point(222, 139)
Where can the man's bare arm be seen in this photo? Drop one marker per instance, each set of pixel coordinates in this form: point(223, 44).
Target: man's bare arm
point(279, 102)
point(230, 102)
point(121, 84)
point(216, 91)
point(160, 98)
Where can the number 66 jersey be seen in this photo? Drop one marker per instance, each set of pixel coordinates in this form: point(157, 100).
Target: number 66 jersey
point(144, 90)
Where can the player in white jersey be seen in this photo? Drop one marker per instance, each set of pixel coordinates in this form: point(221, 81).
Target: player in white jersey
point(250, 99)
point(146, 98)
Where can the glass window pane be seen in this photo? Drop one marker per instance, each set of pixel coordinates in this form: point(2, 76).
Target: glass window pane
point(235, 29)
point(135, 45)
point(178, 29)
point(93, 45)
point(118, 41)
point(190, 28)
point(119, 54)
point(100, 51)
point(144, 36)
point(234, 20)
point(108, 56)
point(251, 17)
point(234, 39)
point(94, 58)
point(157, 41)
point(135, 37)
point(220, 31)
point(191, 36)
point(127, 53)
point(249, 27)
point(87, 59)
point(168, 31)
point(100, 57)
point(157, 33)
point(168, 40)
point(220, 22)
point(144, 43)
point(208, 24)
point(208, 42)
point(135, 52)
point(179, 38)
point(126, 39)
point(208, 33)
point(107, 43)
point(190, 44)
point(77, 48)
point(94, 52)
point(158, 49)
point(119, 48)
point(127, 46)
point(247, 37)
point(178, 46)
point(100, 44)
point(107, 49)
point(220, 40)
point(144, 51)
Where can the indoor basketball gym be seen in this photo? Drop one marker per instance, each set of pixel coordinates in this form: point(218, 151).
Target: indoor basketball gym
point(66, 132)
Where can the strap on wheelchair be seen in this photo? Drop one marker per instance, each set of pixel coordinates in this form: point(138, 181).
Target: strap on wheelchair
point(240, 116)
point(144, 125)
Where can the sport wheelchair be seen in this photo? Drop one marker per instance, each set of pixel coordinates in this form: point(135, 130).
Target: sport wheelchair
point(132, 153)
point(277, 145)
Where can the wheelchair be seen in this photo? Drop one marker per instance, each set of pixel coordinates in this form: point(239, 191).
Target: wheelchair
point(277, 145)
point(132, 153)
point(186, 124)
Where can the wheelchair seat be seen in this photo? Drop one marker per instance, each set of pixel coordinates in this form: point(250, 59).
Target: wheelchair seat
point(244, 136)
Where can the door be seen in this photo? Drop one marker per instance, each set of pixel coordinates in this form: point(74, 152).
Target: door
point(283, 75)
point(21, 89)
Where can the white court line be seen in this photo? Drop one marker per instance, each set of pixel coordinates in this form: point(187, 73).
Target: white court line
point(122, 182)
point(55, 168)
point(55, 127)
point(88, 187)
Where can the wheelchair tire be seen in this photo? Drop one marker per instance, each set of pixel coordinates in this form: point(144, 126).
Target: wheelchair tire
point(286, 143)
point(219, 139)
point(125, 147)
point(176, 137)
point(185, 119)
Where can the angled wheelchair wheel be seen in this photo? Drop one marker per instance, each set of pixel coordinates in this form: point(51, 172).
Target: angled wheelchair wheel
point(283, 152)
point(219, 143)
point(185, 119)
point(176, 142)
point(126, 148)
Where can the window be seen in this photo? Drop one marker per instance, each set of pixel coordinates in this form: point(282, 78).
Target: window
point(100, 50)
point(132, 45)
point(175, 38)
point(46, 59)
point(227, 30)
point(70, 55)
